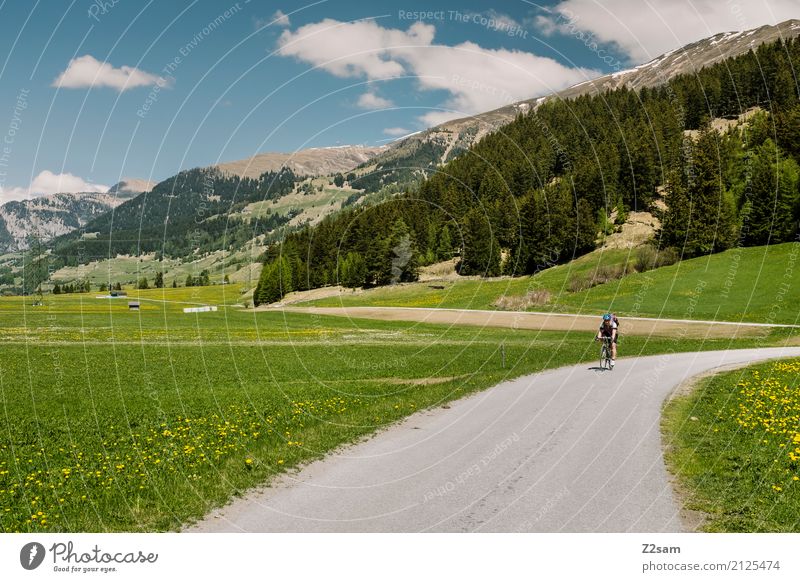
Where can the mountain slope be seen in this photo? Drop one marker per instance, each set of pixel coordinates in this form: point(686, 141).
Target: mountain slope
point(193, 211)
point(308, 162)
point(539, 192)
point(232, 208)
point(410, 158)
point(48, 217)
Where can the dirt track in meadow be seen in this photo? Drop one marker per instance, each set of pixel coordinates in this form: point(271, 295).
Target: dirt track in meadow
point(547, 321)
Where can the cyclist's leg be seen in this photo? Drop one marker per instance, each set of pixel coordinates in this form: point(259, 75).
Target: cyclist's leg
point(614, 349)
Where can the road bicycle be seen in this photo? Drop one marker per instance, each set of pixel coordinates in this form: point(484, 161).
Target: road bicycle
point(605, 354)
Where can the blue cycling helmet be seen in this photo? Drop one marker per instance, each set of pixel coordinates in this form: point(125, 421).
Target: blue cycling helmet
point(607, 317)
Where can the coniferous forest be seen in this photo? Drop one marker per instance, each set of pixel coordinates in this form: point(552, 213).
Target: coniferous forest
point(538, 192)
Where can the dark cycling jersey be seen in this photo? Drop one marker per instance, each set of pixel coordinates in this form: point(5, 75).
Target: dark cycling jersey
point(608, 331)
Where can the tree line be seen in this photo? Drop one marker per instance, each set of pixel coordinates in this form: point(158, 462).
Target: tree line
point(537, 192)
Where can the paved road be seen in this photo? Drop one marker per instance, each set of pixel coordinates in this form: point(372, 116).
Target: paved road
point(573, 449)
point(546, 321)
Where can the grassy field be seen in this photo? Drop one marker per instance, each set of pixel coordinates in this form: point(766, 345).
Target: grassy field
point(749, 284)
point(734, 444)
point(127, 270)
point(115, 420)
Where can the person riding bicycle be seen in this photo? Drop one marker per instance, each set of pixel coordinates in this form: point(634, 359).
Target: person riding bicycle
point(608, 329)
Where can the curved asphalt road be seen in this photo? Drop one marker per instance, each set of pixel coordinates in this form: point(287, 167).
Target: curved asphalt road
point(572, 449)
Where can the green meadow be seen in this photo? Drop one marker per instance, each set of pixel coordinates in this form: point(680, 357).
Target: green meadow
point(734, 446)
point(753, 284)
point(118, 420)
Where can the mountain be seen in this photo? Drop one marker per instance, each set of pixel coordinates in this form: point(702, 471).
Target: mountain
point(308, 162)
point(131, 186)
point(221, 208)
point(195, 211)
point(407, 160)
point(48, 217)
point(539, 192)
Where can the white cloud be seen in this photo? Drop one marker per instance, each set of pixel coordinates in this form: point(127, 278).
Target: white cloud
point(494, 20)
point(477, 79)
point(280, 18)
point(353, 49)
point(370, 100)
point(49, 183)
point(86, 71)
point(396, 131)
point(655, 27)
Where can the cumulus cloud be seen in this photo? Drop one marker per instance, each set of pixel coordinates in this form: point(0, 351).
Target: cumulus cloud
point(396, 131)
point(370, 100)
point(353, 49)
point(654, 28)
point(86, 71)
point(48, 182)
point(477, 79)
point(280, 18)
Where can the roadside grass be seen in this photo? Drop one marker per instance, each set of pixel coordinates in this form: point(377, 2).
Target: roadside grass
point(733, 443)
point(142, 421)
point(754, 284)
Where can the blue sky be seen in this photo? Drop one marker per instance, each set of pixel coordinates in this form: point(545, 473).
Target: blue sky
point(91, 91)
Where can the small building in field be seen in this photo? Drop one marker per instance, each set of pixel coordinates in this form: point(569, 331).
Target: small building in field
point(118, 293)
point(133, 305)
point(202, 309)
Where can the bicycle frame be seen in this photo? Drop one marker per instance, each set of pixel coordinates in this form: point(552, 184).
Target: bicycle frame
point(605, 354)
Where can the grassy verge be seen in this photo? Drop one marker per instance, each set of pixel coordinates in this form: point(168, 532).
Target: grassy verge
point(734, 446)
point(140, 421)
point(753, 284)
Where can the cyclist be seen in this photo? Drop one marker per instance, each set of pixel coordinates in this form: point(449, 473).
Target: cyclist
point(609, 329)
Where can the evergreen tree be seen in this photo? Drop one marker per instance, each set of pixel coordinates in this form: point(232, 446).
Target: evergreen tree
point(481, 252)
point(353, 271)
point(159, 280)
point(205, 279)
point(704, 215)
point(402, 256)
point(444, 247)
point(274, 283)
point(772, 197)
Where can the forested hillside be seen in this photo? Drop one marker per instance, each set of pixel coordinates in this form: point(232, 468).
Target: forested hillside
point(538, 191)
point(180, 216)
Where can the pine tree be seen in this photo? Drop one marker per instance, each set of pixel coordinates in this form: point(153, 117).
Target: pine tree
point(352, 271)
point(274, 283)
point(159, 280)
point(675, 226)
point(481, 253)
point(772, 196)
point(444, 247)
point(403, 257)
point(711, 225)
